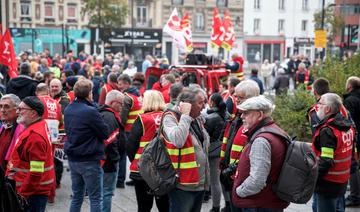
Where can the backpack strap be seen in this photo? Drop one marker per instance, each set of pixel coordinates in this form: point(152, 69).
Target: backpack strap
point(285, 137)
point(177, 115)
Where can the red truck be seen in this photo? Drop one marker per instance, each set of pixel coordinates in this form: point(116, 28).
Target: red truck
point(209, 77)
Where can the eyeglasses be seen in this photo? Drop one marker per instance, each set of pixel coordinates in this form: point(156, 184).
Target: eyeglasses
point(23, 108)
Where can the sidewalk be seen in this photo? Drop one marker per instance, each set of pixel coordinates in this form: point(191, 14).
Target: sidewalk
point(125, 200)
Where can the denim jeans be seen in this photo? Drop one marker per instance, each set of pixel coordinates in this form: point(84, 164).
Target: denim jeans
point(181, 200)
point(109, 187)
point(86, 175)
point(37, 203)
point(340, 203)
point(122, 168)
point(328, 204)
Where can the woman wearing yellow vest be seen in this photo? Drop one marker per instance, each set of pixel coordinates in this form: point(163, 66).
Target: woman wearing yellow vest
point(142, 132)
point(184, 131)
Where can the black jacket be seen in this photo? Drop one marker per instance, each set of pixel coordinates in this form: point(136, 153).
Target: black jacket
point(281, 84)
point(214, 124)
point(116, 148)
point(352, 104)
point(22, 86)
point(63, 100)
point(326, 138)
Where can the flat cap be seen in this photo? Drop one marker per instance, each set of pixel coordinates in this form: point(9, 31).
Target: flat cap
point(257, 103)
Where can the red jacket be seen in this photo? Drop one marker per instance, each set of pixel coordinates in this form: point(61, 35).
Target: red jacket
point(31, 164)
point(105, 89)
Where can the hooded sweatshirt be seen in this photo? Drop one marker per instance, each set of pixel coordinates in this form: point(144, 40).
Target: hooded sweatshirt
point(22, 86)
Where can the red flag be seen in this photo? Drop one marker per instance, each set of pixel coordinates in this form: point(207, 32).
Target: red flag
point(7, 54)
point(218, 32)
point(229, 37)
point(186, 28)
point(173, 28)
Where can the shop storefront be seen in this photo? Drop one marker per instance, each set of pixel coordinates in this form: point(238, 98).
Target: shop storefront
point(137, 42)
point(56, 40)
point(256, 51)
point(304, 46)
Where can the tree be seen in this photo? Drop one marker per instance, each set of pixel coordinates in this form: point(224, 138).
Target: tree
point(106, 14)
point(333, 23)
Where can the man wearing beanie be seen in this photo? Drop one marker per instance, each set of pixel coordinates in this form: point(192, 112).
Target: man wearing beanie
point(31, 163)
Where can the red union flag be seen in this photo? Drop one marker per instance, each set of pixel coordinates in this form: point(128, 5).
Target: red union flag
point(218, 31)
point(229, 38)
point(173, 28)
point(7, 54)
point(186, 28)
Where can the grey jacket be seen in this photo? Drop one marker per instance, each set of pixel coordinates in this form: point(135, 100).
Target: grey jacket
point(177, 132)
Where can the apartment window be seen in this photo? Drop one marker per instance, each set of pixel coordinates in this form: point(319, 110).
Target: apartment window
point(256, 25)
point(141, 15)
point(281, 25)
point(281, 4)
point(222, 3)
point(178, 2)
point(256, 4)
point(49, 10)
point(25, 9)
point(304, 25)
point(305, 4)
point(71, 11)
point(200, 21)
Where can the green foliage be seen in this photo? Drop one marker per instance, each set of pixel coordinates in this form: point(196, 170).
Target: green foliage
point(291, 110)
point(333, 22)
point(290, 114)
point(337, 72)
point(106, 13)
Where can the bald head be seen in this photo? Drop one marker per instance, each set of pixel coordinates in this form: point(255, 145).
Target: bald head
point(55, 87)
point(42, 89)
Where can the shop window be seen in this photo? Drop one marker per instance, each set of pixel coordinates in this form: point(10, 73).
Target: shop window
point(253, 53)
point(266, 52)
point(257, 4)
point(281, 4)
point(141, 16)
point(25, 10)
point(199, 25)
point(276, 52)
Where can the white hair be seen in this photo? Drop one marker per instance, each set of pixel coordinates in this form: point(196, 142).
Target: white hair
point(249, 87)
point(113, 95)
point(13, 98)
point(333, 101)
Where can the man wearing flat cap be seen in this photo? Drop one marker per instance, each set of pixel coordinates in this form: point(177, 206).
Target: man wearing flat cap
point(261, 160)
point(31, 163)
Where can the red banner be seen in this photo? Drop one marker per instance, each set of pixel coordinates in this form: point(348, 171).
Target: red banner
point(229, 37)
point(7, 54)
point(218, 32)
point(186, 28)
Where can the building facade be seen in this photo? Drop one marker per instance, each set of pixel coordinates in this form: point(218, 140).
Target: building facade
point(55, 24)
point(349, 38)
point(277, 29)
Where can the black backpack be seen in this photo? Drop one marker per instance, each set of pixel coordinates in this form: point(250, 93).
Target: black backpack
point(9, 199)
point(156, 168)
point(298, 175)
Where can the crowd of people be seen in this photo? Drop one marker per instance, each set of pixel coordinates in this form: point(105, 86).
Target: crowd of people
point(104, 115)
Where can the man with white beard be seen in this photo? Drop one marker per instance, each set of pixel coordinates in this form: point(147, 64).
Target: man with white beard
point(333, 145)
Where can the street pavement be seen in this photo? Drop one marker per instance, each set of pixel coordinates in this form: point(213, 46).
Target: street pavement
point(125, 200)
